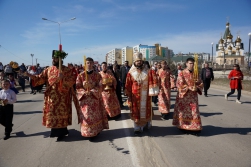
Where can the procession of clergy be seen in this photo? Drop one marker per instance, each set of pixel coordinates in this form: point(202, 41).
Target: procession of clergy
point(95, 97)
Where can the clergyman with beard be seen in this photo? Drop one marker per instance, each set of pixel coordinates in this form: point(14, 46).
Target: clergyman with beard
point(141, 84)
point(57, 110)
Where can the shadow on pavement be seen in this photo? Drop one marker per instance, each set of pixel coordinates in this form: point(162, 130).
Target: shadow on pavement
point(46, 134)
point(74, 135)
point(24, 101)
point(27, 112)
point(210, 114)
point(209, 95)
point(210, 130)
point(155, 131)
point(247, 102)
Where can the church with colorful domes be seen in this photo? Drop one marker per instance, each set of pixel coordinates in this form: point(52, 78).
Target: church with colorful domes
point(230, 51)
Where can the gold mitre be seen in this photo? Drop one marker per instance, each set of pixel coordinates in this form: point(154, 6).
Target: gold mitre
point(137, 56)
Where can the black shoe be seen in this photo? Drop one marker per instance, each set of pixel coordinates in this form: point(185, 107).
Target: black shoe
point(184, 131)
point(195, 133)
point(164, 116)
point(6, 137)
point(137, 132)
point(117, 117)
point(34, 93)
point(60, 138)
point(31, 92)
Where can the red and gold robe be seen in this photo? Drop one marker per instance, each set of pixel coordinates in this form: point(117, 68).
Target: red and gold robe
point(165, 90)
point(109, 97)
point(93, 116)
point(57, 110)
point(140, 86)
point(186, 112)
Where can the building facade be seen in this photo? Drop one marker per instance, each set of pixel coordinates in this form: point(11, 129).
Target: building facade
point(127, 54)
point(148, 52)
point(228, 51)
point(114, 55)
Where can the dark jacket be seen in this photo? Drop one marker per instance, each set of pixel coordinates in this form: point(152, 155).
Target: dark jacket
point(203, 74)
point(123, 73)
point(176, 73)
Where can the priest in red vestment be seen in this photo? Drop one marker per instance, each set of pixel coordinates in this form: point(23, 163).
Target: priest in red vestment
point(93, 117)
point(141, 84)
point(109, 95)
point(186, 114)
point(57, 110)
point(165, 80)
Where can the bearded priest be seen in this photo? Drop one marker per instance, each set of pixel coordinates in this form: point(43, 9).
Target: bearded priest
point(57, 110)
point(141, 84)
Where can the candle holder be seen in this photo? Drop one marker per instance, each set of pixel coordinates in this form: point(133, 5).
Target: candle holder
point(107, 82)
point(195, 72)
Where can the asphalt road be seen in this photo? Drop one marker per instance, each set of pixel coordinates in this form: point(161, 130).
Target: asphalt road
point(224, 142)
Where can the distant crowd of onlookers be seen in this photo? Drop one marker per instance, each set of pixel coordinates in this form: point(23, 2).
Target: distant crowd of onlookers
point(16, 77)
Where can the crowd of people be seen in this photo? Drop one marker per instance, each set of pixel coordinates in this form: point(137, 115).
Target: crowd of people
point(97, 94)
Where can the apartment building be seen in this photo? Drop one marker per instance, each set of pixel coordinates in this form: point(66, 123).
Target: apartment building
point(127, 54)
point(114, 55)
point(147, 51)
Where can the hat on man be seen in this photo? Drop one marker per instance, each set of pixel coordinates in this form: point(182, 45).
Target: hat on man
point(53, 53)
point(137, 56)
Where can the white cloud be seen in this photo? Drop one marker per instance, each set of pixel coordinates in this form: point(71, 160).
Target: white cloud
point(148, 6)
point(193, 42)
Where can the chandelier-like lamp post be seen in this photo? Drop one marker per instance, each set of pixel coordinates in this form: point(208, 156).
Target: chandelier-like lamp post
point(32, 59)
point(59, 33)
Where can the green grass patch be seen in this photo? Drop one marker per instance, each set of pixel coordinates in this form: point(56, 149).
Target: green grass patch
point(225, 82)
point(246, 84)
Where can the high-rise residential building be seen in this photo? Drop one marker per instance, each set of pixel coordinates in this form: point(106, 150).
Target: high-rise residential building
point(127, 54)
point(114, 55)
point(170, 53)
point(147, 51)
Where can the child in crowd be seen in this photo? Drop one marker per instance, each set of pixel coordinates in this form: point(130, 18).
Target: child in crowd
point(1, 79)
point(7, 99)
point(13, 84)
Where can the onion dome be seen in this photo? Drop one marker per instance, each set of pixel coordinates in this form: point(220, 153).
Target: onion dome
point(238, 39)
point(227, 24)
point(230, 47)
point(221, 40)
point(230, 36)
point(237, 48)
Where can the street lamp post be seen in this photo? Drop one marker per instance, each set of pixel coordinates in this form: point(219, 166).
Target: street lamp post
point(249, 34)
point(182, 58)
point(32, 59)
point(212, 52)
point(59, 23)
